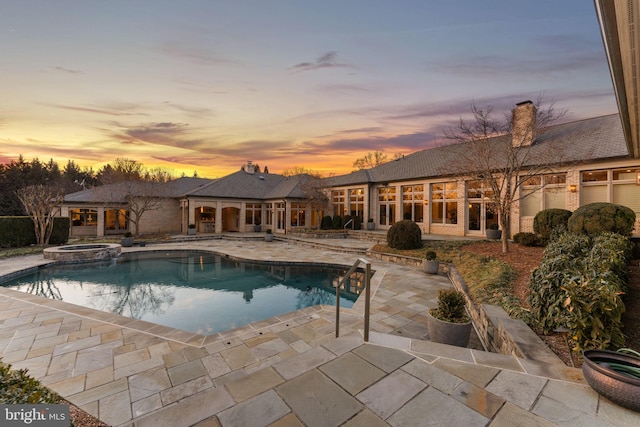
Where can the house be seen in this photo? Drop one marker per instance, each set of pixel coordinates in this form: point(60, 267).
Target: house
point(587, 160)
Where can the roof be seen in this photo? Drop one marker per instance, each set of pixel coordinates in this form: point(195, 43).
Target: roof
point(116, 193)
point(580, 141)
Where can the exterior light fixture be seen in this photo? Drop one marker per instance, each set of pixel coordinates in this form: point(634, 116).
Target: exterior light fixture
point(573, 188)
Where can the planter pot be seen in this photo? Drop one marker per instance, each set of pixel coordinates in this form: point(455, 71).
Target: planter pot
point(457, 334)
point(191, 231)
point(257, 228)
point(431, 266)
point(371, 226)
point(619, 388)
point(268, 237)
point(126, 242)
point(494, 234)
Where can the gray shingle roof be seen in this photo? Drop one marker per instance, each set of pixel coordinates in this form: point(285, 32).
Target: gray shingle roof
point(115, 193)
point(591, 139)
point(240, 185)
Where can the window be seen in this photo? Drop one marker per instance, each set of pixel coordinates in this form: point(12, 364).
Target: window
point(356, 203)
point(615, 186)
point(116, 220)
point(387, 205)
point(444, 203)
point(298, 215)
point(338, 198)
point(543, 192)
point(412, 202)
point(253, 214)
point(268, 213)
point(84, 217)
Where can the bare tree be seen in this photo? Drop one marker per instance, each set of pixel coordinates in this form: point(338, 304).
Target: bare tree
point(41, 203)
point(370, 160)
point(502, 153)
point(138, 187)
point(315, 195)
point(298, 170)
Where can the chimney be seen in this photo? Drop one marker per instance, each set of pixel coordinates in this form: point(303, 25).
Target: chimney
point(248, 168)
point(524, 123)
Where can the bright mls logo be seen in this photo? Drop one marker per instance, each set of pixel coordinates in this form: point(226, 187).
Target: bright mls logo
point(34, 415)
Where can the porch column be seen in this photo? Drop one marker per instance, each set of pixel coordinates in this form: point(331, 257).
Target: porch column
point(218, 217)
point(100, 231)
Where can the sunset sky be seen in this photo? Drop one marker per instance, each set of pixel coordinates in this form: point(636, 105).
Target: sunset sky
point(207, 85)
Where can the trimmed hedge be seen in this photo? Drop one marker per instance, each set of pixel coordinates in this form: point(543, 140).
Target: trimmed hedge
point(528, 239)
point(18, 231)
point(548, 220)
point(326, 222)
point(596, 218)
point(404, 234)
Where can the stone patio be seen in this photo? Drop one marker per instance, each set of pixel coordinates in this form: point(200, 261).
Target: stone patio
point(289, 370)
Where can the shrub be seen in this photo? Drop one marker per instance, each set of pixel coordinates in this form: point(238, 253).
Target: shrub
point(18, 231)
point(596, 218)
point(527, 239)
point(559, 265)
point(326, 222)
point(548, 220)
point(336, 222)
point(579, 284)
point(451, 303)
point(357, 223)
point(595, 311)
point(493, 226)
point(404, 234)
point(430, 255)
point(17, 387)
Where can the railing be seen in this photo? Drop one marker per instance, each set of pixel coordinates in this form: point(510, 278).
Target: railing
point(349, 222)
point(367, 295)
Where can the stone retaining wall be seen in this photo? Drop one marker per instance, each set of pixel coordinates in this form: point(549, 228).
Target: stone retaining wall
point(499, 333)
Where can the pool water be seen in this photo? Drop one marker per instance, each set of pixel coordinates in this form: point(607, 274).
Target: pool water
point(203, 293)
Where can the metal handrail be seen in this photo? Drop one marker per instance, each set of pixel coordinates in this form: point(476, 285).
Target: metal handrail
point(347, 223)
point(367, 295)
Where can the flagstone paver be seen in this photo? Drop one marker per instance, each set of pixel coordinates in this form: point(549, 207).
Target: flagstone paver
point(289, 370)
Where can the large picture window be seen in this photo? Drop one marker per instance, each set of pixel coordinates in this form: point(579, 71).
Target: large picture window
point(253, 214)
point(543, 192)
point(617, 186)
point(84, 217)
point(444, 203)
point(356, 203)
point(338, 198)
point(298, 216)
point(412, 202)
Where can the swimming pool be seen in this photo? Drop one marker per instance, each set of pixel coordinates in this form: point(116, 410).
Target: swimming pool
point(200, 292)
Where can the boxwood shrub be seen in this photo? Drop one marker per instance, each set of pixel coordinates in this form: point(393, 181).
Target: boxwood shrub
point(596, 218)
point(404, 234)
point(548, 220)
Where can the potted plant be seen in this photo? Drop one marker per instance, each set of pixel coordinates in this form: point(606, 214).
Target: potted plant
point(370, 224)
point(127, 240)
point(431, 265)
point(449, 322)
point(269, 236)
point(257, 226)
point(493, 232)
point(191, 230)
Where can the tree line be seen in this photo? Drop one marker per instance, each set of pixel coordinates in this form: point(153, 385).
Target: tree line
point(19, 174)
